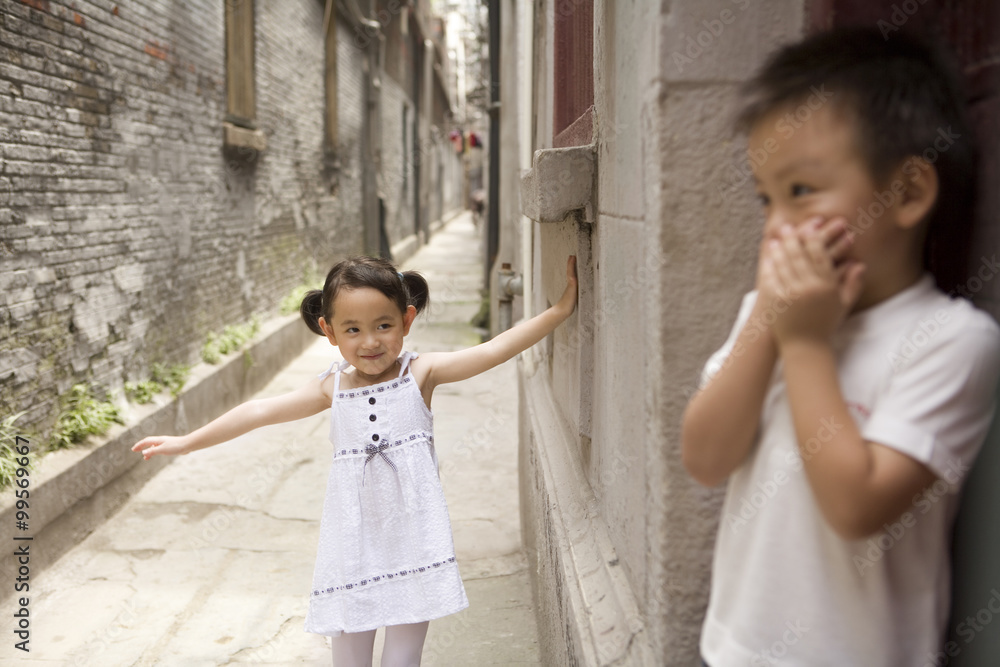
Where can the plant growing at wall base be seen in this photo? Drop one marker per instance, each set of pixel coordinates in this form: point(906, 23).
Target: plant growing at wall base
point(10, 460)
point(481, 319)
point(231, 339)
point(171, 377)
point(142, 392)
point(161, 377)
point(291, 303)
point(82, 415)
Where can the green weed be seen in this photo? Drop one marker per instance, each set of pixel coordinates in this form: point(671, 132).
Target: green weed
point(161, 377)
point(142, 392)
point(82, 415)
point(172, 377)
point(231, 340)
point(291, 303)
point(10, 458)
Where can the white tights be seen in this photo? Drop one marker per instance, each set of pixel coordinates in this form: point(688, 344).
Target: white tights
point(403, 645)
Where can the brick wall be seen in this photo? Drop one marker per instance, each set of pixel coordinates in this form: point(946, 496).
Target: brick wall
point(397, 175)
point(402, 152)
point(127, 234)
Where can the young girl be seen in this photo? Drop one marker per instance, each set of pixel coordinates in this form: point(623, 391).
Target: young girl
point(386, 555)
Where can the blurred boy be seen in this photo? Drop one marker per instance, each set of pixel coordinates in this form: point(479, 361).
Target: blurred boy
point(852, 395)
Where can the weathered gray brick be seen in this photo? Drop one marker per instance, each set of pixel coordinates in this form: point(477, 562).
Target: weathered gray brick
point(111, 140)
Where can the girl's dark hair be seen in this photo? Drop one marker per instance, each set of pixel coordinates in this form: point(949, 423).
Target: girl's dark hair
point(905, 99)
point(406, 289)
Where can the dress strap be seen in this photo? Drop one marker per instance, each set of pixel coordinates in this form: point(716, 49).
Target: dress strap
point(325, 374)
point(336, 367)
point(407, 358)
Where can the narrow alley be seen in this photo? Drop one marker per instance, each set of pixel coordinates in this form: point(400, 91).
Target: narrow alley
point(210, 563)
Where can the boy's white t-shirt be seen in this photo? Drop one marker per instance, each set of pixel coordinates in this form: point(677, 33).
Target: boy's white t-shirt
point(918, 373)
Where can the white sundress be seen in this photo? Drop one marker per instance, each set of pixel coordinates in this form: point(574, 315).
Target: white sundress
point(386, 554)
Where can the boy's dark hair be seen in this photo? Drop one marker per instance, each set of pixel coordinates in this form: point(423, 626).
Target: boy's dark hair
point(905, 97)
point(405, 289)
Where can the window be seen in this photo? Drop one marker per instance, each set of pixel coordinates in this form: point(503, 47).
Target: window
point(330, 76)
point(406, 146)
point(572, 123)
point(240, 126)
point(240, 97)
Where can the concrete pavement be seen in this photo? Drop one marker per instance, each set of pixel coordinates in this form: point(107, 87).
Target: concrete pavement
point(210, 562)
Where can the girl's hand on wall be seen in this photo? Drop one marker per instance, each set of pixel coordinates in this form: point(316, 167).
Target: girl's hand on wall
point(160, 444)
point(567, 303)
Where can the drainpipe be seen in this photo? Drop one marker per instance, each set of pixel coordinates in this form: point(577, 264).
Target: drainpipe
point(371, 133)
point(509, 285)
point(526, 138)
point(493, 190)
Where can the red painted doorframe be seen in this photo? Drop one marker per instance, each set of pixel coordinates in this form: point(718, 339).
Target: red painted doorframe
point(573, 78)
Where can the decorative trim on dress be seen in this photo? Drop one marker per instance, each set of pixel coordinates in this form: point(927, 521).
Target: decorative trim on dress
point(363, 451)
point(386, 577)
point(375, 388)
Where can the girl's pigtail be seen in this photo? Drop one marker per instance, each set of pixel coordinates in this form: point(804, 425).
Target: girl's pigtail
point(312, 309)
point(417, 290)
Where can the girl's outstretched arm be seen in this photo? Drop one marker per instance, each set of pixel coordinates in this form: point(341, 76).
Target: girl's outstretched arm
point(445, 367)
point(244, 418)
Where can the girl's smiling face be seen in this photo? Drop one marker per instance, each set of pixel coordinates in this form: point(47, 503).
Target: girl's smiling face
point(368, 328)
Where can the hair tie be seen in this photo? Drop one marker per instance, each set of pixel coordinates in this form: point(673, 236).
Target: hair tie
point(400, 277)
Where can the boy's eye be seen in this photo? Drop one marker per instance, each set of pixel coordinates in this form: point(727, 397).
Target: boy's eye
point(763, 199)
point(384, 325)
point(352, 330)
point(799, 190)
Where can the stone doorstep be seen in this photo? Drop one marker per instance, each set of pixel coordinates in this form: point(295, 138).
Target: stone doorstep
point(65, 479)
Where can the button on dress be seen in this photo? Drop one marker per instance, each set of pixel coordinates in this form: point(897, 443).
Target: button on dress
point(386, 554)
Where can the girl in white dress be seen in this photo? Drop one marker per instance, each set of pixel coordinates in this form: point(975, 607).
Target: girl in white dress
point(386, 556)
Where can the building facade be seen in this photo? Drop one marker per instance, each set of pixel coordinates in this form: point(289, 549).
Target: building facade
point(167, 169)
point(643, 180)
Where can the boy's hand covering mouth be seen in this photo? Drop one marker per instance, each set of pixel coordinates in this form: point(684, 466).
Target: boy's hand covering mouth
point(837, 238)
point(808, 279)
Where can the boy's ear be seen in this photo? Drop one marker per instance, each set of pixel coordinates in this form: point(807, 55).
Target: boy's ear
point(408, 317)
point(920, 191)
point(328, 330)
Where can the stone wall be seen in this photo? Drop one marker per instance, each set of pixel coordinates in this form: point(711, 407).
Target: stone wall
point(127, 233)
point(396, 182)
point(619, 536)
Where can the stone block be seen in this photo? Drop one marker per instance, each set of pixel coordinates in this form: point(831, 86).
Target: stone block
point(241, 137)
point(560, 181)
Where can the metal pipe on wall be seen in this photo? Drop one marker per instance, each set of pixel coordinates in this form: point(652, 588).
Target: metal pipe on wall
point(493, 198)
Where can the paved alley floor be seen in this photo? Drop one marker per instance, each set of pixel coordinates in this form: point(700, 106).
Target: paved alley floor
point(210, 563)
